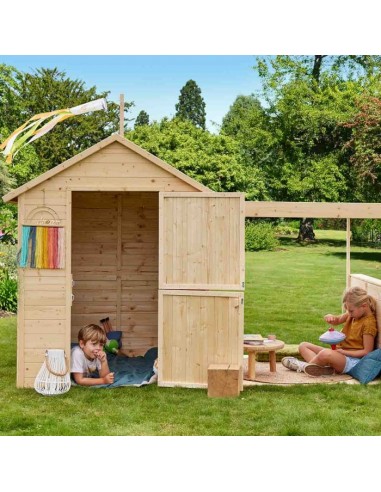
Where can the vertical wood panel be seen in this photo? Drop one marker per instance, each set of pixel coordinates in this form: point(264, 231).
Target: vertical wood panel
point(199, 328)
point(119, 262)
point(201, 241)
point(373, 287)
point(68, 274)
point(21, 304)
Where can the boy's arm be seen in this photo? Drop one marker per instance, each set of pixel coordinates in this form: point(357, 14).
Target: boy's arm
point(104, 370)
point(81, 380)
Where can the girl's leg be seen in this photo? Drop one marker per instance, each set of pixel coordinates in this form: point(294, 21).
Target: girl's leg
point(329, 357)
point(309, 350)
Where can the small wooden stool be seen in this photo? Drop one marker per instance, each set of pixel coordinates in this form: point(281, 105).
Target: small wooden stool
point(270, 347)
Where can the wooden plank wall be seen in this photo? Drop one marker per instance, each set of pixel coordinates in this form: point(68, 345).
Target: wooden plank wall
point(115, 264)
point(373, 287)
point(42, 298)
point(139, 271)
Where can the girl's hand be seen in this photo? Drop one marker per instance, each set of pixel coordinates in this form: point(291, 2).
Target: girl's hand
point(329, 318)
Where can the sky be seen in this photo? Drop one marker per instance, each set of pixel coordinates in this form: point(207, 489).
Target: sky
point(149, 50)
point(153, 82)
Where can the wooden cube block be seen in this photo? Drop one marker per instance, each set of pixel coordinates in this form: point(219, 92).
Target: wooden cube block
point(224, 380)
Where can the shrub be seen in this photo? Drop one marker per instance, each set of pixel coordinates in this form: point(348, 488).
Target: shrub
point(285, 229)
point(330, 224)
point(8, 223)
point(260, 236)
point(8, 292)
point(8, 258)
point(366, 230)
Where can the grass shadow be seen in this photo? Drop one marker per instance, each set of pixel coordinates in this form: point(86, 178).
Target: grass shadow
point(365, 255)
point(292, 241)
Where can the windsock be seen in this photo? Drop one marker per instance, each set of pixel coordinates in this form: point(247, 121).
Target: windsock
point(32, 130)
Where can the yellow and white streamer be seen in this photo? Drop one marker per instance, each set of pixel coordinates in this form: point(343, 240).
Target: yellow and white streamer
point(31, 129)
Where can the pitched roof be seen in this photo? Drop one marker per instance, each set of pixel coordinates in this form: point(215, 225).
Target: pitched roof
point(12, 195)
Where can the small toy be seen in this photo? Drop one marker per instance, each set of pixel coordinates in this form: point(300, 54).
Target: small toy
point(112, 346)
point(332, 337)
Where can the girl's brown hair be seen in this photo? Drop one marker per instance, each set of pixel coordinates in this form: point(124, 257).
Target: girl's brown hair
point(92, 332)
point(358, 296)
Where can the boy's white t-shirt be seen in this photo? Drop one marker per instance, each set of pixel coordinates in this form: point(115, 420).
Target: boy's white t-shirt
point(80, 363)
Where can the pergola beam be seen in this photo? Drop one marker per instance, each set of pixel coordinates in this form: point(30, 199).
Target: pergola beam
point(313, 210)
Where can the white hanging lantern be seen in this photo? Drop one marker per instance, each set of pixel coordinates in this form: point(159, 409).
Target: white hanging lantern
point(54, 376)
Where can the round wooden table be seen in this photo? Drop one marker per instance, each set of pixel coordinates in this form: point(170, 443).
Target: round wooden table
point(270, 347)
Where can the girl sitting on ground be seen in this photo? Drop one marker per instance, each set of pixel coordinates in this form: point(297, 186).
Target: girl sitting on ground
point(360, 329)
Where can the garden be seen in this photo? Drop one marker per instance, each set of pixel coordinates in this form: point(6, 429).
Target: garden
point(288, 290)
point(311, 134)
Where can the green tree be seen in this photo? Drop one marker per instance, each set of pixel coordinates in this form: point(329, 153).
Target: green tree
point(8, 212)
point(248, 122)
point(10, 101)
point(191, 105)
point(213, 160)
point(364, 148)
point(142, 119)
point(294, 130)
point(6, 181)
point(50, 89)
point(307, 98)
point(278, 71)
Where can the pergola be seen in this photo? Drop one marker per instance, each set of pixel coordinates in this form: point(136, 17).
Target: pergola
point(346, 211)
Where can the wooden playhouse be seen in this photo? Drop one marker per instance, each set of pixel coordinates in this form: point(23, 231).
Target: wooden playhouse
point(152, 249)
point(142, 243)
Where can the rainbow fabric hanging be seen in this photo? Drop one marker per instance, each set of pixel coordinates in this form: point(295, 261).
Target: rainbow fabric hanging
point(42, 247)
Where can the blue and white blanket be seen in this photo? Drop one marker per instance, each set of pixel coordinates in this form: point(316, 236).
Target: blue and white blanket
point(131, 371)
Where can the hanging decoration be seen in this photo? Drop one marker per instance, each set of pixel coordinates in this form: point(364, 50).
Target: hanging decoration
point(42, 247)
point(30, 130)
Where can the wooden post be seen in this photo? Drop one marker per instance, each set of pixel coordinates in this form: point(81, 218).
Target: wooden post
point(121, 115)
point(119, 264)
point(348, 252)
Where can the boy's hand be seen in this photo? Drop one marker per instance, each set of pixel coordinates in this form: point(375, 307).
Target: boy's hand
point(109, 379)
point(102, 356)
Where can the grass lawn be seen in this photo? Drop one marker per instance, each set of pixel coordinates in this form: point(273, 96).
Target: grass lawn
point(288, 291)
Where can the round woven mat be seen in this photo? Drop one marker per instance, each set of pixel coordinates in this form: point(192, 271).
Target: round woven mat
point(285, 376)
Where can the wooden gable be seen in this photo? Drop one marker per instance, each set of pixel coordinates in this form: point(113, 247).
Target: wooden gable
point(115, 164)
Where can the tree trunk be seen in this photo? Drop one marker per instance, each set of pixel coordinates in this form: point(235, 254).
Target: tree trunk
point(317, 67)
point(306, 230)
